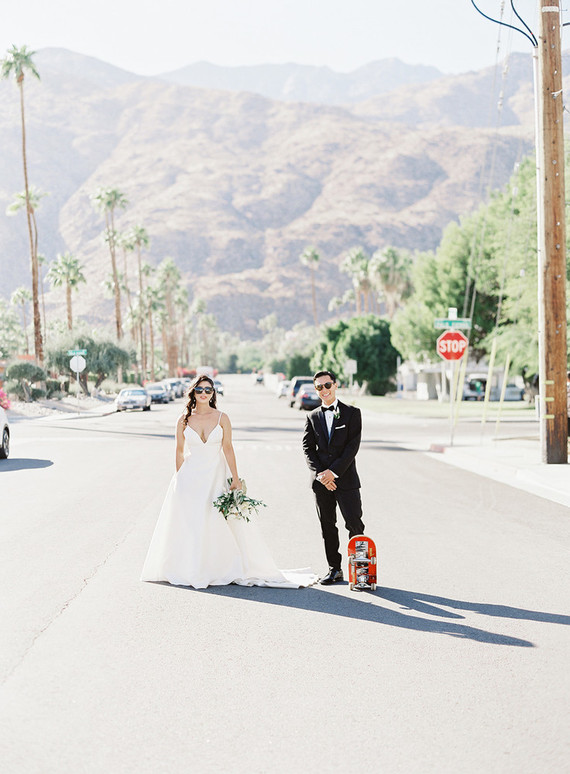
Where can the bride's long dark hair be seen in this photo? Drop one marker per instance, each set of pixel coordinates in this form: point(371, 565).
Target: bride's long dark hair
point(192, 396)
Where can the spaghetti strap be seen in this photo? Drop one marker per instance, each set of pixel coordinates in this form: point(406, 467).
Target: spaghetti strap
point(220, 417)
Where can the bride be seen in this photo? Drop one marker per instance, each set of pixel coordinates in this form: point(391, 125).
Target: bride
point(193, 545)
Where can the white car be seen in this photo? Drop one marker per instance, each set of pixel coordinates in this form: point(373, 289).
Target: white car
point(5, 437)
point(133, 398)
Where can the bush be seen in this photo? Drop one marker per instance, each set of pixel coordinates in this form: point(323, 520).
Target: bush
point(4, 400)
point(16, 389)
point(53, 388)
point(23, 375)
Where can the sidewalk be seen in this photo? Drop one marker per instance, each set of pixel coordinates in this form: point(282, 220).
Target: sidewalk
point(512, 461)
point(67, 408)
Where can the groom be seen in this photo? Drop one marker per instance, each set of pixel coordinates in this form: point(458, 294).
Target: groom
point(330, 443)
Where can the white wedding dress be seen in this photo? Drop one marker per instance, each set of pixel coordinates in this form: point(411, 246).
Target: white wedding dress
point(193, 545)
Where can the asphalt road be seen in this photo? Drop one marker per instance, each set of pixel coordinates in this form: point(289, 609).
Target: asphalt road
point(458, 663)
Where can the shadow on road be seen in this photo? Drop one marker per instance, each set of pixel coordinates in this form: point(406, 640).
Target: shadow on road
point(24, 464)
point(427, 603)
point(319, 601)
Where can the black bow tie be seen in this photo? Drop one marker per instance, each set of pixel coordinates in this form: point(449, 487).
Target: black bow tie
point(327, 408)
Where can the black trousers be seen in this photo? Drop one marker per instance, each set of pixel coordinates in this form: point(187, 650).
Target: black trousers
point(350, 505)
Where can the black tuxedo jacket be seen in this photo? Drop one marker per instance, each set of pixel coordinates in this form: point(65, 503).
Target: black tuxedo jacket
point(337, 453)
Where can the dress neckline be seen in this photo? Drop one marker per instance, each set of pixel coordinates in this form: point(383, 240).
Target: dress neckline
point(210, 433)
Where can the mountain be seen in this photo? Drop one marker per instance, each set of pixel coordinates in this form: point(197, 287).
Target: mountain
point(234, 185)
point(302, 83)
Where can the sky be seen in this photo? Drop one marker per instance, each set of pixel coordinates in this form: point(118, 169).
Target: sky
point(150, 37)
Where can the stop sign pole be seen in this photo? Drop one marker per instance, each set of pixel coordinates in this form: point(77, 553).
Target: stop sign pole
point(452, 346)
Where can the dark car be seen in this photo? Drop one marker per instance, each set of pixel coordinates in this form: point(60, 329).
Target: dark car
point(307, 398)
point(158, 393)
point(296, 383)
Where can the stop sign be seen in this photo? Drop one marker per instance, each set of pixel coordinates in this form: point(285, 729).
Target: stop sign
point(451, 345)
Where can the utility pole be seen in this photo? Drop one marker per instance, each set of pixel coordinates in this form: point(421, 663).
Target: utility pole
point(551, 237)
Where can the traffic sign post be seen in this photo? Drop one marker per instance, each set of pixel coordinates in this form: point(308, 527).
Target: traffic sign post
point(452, 346)
point(77, 364)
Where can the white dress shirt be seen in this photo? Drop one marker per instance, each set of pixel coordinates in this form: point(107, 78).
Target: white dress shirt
point(329, 415)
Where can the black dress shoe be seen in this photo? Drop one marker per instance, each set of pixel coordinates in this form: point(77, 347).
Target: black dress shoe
point(333, 576)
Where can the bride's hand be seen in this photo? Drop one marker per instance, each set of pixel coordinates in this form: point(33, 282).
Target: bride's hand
point(235, 484)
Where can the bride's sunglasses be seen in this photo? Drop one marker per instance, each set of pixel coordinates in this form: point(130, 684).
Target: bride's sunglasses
point(200, 390)
point(326, 385)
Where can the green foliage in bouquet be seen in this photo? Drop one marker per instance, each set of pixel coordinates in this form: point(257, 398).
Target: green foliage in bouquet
point(235, 504)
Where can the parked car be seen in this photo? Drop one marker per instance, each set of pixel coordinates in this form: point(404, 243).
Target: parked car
point(307, 398)
point(296, 383)
point(283, 388)
point(177, 386)
point(157, 392)
point(133, 398)
point(219, 386)
point(512, 392)
point(5, 437)
point(475, 386)
point(474, 389)
point(169, 389)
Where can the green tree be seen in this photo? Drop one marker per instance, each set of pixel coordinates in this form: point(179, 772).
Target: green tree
point(107, 201)
point(66, 271)
point(366, 340)
point(21, 297)
point(439, 280)
point(310, 257)
point(11, 334)
point(17, 63)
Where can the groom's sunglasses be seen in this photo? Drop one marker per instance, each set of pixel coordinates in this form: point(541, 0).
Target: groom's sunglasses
point(207, 390)
point(326, 385)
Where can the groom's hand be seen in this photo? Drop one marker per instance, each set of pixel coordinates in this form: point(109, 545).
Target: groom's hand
point(327, 479)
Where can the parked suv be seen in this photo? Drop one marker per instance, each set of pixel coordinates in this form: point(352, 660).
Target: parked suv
point(296, 383)
point(4, 435)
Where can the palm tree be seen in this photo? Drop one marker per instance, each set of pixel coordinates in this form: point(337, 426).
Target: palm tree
point(107, 200)
point(33, 200)
point(41, 261)
point(182, 307)
point(17, 62)
point(154, 304)
point(169, 280)
point(310, 257)
point(356, 264)
point(67, 271)
point(21, 297)
point(139, 239)
point(390, 274)
point(125, 242)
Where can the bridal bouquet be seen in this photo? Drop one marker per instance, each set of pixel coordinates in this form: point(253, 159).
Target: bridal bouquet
point(235, 504)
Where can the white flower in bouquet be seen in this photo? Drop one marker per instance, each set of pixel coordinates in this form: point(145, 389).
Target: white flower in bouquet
point(235, 504)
